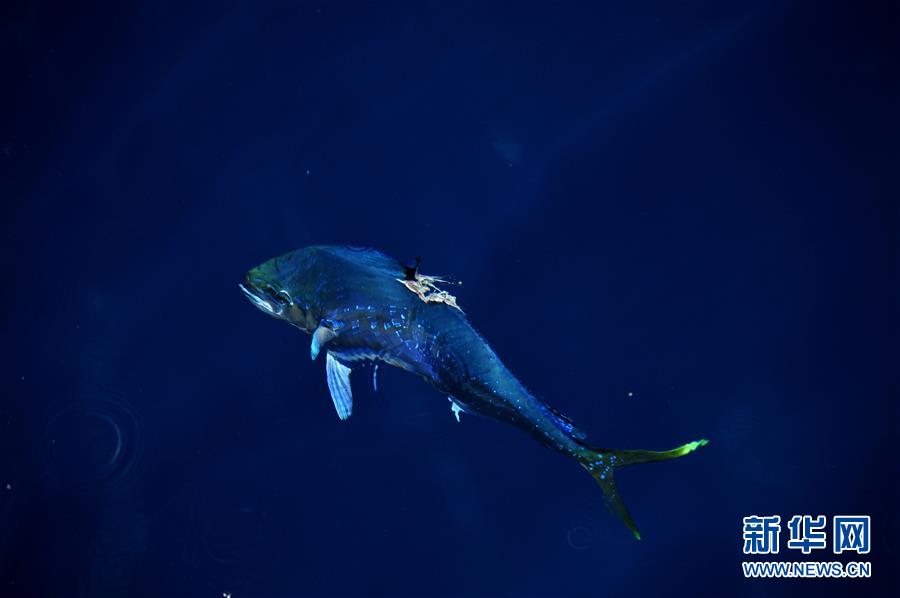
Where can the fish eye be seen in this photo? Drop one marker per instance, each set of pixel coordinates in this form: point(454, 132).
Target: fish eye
point(282, 297)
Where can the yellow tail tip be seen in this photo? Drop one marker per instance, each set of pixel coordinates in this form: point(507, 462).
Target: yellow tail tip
point(692, 446)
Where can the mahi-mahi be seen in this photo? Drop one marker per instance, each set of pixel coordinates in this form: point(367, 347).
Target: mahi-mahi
point(360, 305)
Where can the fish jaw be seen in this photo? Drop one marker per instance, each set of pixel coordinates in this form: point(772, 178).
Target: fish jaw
point(277, 305)
point(259, 300)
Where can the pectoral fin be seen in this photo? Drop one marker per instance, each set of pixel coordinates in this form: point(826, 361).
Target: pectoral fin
point(339, 384)
point(320, 337)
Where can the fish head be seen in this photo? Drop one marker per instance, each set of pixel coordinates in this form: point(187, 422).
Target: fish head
point(307, 285)
point(276, 288)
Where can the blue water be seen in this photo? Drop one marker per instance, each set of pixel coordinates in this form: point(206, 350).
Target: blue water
point(672, 221)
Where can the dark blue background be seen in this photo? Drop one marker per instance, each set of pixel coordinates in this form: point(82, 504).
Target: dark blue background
point(693, 202)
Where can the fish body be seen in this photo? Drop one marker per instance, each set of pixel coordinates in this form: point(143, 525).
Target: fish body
point(360, 305)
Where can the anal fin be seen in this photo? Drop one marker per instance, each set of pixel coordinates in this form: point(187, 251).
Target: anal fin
point(456, 408)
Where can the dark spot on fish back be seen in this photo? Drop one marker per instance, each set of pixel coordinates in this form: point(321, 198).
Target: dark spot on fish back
point(411, 272)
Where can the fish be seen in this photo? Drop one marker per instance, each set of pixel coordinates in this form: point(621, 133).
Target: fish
point(361, 306)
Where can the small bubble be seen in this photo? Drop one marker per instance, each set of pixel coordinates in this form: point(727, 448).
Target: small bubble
point(580, 537)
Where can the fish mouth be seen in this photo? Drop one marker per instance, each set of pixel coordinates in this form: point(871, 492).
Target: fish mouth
point(257, 298)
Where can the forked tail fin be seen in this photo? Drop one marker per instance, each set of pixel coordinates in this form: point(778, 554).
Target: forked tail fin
point(602, 464)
